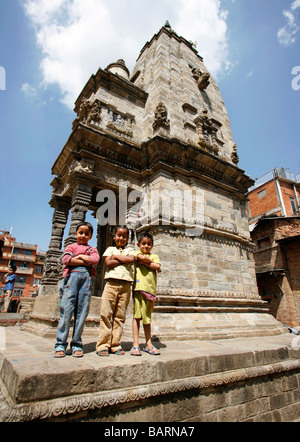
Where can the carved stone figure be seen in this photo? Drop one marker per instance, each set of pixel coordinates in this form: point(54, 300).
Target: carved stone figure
point(82, 166)
point(202, 78)
point(234, 156)
point(83, 113)
point(94, 116)
point(207, 129)
point(161, 117)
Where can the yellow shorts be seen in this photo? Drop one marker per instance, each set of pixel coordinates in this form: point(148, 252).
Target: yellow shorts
point(142, 308)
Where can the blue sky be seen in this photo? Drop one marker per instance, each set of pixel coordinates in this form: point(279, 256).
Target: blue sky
point(49, 49)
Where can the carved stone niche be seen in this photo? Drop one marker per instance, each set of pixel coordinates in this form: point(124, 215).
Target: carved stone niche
point(89, 113)
point(161, 117)
point(207, 129)
point(201, 78)
point(119, 123)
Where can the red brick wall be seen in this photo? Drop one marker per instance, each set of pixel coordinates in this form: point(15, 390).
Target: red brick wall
point(259, 206)
point(287, 193)
point(292, 252)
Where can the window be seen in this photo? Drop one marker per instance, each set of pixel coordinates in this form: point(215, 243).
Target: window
point(24, 265)
point(20, 279)
point(262, 193)
point(39, 269)
point(263, 243)
point(27, 252)
point(294, 208)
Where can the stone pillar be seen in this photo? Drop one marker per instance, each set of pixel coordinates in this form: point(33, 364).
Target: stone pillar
point(52, 266)
point(81, 199)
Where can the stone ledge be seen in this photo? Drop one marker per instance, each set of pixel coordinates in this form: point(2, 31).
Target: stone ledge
point(36, 386)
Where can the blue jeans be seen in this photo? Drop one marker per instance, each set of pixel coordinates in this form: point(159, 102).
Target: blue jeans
point(75, 294)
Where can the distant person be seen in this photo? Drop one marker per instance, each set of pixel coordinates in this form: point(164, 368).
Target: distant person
point(119, 278)
point(9, 280)
point(144, 293)
point(80, 260)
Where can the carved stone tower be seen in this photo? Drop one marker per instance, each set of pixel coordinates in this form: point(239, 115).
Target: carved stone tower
point(164, 131)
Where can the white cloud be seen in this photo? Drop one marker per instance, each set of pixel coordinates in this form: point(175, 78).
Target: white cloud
point(77, 37)
point(287, 34)
point(28, 90)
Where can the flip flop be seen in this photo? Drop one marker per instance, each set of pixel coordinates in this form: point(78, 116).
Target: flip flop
point(152, 350)
point(103, 352)
point(135, 351)
point(119, 352)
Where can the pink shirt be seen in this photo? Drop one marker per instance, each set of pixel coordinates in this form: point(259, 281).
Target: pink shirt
point(76, 249)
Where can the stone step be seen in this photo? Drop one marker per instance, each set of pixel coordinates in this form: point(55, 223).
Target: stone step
point(256, 378)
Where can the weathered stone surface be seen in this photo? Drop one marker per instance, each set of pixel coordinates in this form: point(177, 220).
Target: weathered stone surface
point(226, 380)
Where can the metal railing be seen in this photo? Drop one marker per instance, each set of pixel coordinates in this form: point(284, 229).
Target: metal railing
point(274, 173)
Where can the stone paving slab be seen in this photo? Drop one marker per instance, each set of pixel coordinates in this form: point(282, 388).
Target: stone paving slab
point(30, 374)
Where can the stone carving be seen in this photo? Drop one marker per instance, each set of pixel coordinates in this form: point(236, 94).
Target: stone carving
point(89, 113)
point(201, 78)
point(52, 268)
point(234, 156)
point(118, 123)
point(207, 129)
point(161, 117)
point(82, 166)
point(94, 116)
point(96, 401)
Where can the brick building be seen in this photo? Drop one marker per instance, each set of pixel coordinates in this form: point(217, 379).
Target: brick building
point(273, 213)
point(277, 260)
point(30, 266)
point(277, 192)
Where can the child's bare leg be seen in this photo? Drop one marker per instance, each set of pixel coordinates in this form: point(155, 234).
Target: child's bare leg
point(147, 331)
point(136, 331)
point(135, 351)
point(149, 347)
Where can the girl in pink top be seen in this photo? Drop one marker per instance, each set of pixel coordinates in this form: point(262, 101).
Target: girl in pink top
point(75, 292)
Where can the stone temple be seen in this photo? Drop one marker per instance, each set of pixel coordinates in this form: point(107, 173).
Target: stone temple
point(163, 131)
point(153, 149)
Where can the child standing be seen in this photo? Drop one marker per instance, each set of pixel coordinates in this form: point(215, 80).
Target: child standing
point(75, 292)
point(9, 280)
point(144, 293)
point(116, 295)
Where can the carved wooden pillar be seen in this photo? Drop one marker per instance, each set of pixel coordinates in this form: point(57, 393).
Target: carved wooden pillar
point(103, 241)
point(81, 199)
point(52, 266)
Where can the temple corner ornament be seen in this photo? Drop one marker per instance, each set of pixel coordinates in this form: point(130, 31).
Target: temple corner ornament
point(89, 112)
point(234, 156)
point(201, 78)
point(161, 117)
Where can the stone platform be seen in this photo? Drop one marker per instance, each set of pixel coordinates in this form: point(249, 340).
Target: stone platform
point(11, 319)
point(243, 379)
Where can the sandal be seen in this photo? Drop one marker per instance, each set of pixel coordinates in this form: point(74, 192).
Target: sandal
point(135, 351)
point(103, 353)
point(77, 352)
point(119, 352)
point(59, 353)
point(151, 350)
